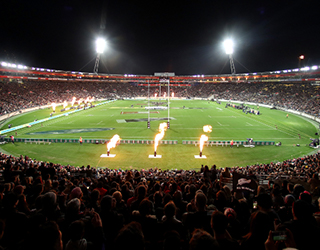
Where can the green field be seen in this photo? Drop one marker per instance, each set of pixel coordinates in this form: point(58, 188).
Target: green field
point(186, 124)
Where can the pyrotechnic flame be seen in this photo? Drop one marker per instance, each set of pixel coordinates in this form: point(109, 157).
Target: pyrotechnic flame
point(113, 142)
point(203, 139)
point(159, 136)
point(207, 128)
point(53, 106)
point(73, 101)
point(172, 94)
point(87, 100)
point(164, 94)
point(79, 101)
point(155, 95)
point(65, 104)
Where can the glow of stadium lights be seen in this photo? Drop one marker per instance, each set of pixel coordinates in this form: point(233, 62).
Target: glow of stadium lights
point(314, 67)
point(4, 64)
point(228, 46)
point(100, 45)
point(306, 68)
point(20, 66)
point(301, 57)
point(13, 65)
point(285, 71)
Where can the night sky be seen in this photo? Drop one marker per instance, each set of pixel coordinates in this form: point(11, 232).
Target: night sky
point(144, 37)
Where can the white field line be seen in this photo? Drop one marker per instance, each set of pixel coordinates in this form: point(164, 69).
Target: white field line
point(222, 125)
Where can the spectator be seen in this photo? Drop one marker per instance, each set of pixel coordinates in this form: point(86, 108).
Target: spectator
point(130, 236)
point(219, 224)
point(260, 226)
point(201, 239)
point(303, 226)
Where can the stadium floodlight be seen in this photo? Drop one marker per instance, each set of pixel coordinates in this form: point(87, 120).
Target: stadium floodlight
point(4, 64)
point(300, 59)
point(228, 46)
point(314, 67)
point(100, 45)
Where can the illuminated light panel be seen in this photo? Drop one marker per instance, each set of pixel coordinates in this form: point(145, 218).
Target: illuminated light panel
point(100, 45)
point(228, 46)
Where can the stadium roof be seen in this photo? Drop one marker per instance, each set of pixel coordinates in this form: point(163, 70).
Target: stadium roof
point(305, 74)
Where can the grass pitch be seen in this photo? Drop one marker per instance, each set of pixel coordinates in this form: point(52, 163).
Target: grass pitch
point(127, 118)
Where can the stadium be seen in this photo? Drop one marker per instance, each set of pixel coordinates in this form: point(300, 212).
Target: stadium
point(271, 118)
point(126, 104)
point(164, 160)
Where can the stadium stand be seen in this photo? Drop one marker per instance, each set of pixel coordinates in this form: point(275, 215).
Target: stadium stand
point(93, 208)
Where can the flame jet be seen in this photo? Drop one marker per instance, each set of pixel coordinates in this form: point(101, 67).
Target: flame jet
point(203, 139)
point(73, 101)
point(53, 106)
point(159, 136)
point(112, 143)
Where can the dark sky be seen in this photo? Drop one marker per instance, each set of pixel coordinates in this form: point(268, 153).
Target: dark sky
point(144, 37)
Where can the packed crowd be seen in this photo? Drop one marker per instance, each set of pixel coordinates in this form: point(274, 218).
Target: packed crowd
point(50, 206)
point(17, 95)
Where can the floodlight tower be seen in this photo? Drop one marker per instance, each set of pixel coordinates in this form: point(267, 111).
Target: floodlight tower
point(100, 47)
point(228, 45)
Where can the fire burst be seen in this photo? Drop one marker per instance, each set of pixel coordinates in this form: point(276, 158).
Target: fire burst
point(53, 106)
point(113, 142)
point(207, 128)
point(73, 101)
point(159, 136)
point(203, 139)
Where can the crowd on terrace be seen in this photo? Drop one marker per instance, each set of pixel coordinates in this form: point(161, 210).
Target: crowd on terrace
point(17, 95)
point(50, 206)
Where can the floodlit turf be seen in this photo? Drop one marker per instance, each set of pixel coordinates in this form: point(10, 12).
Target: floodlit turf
point(186, 124)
